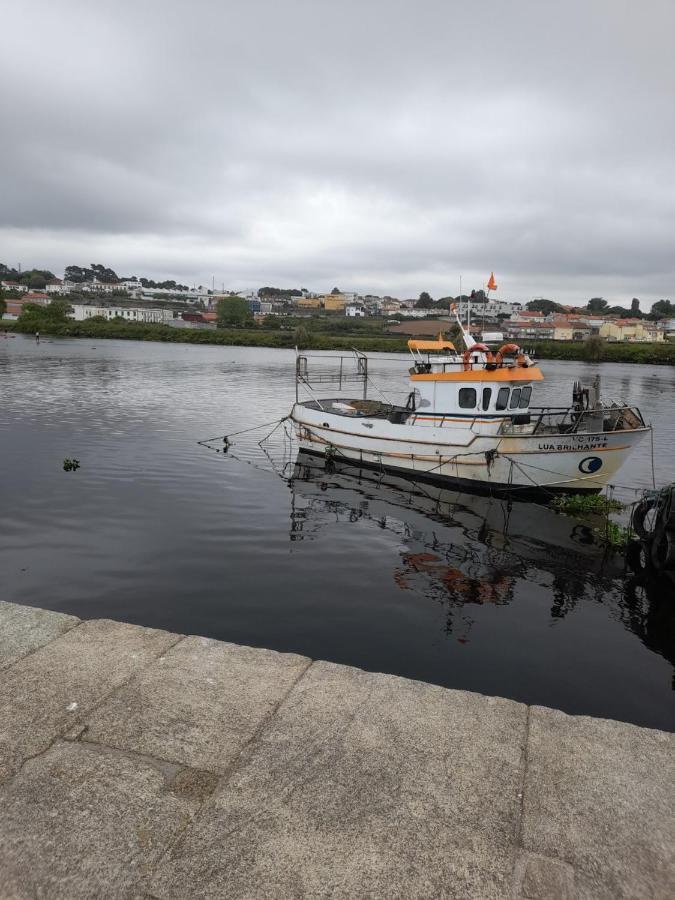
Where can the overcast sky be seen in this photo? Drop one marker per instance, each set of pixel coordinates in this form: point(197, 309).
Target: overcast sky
point(377, 145)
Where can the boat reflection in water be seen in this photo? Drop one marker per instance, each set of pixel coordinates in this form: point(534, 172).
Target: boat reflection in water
point(467, 550)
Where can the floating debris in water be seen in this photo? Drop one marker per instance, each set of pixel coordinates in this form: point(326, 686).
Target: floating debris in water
point(71, 465)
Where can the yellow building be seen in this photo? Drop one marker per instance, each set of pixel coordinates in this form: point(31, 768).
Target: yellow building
point(633, 330)
point(334, 302)
point(308, 303)
point(562, 331)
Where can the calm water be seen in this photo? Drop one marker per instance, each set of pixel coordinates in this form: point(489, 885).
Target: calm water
point(390, 576)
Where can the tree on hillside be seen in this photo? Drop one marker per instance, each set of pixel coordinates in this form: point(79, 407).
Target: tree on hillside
point(279, 293)
point(662, 309)
point(425, 301)
point(77, 274)
point(544, 306)
point(81, 274)
point(233, 312)
point(597, 305)
point(37, 282)
point(635, 307)
point(336, 290)
point(57, 310)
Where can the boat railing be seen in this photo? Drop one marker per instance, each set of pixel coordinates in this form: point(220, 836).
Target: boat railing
point(326, 369)
point(570, 419)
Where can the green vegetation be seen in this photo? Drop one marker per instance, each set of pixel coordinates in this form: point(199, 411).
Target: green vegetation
point(425, 301)
point(312, 333)
point(274, 293)
point(585, 504)
point(615, 536)
point(240, 337)
point(35, 317)
point(81, 274)
point(233, 312)
point(544, 306)
point(594, 347)
point(648, 353)
point(35, 279)
point(662, 309)
point(595, 506)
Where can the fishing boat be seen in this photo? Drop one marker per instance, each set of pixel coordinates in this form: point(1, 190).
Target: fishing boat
point(469, 420)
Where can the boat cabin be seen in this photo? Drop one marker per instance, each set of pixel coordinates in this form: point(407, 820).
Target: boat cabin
point(474, 383)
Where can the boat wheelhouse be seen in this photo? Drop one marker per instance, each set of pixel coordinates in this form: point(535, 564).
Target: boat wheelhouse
point(469, 419)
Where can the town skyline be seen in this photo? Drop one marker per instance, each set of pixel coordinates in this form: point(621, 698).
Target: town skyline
point(216, 285)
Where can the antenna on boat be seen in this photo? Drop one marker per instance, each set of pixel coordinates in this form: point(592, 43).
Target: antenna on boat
point(468, 340)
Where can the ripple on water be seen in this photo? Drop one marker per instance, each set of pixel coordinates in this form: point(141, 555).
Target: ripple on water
point(457, 590)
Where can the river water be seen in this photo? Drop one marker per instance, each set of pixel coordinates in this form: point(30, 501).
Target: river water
point(270, 550)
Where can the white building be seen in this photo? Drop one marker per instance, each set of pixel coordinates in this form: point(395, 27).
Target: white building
point(147, 315)
point(424, 313)
point(55, 286)
point(355, 311)
point(14, 286)
point(91, 287)
point(490, 308)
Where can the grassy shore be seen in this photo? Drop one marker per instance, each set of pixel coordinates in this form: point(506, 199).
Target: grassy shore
point(365, 339)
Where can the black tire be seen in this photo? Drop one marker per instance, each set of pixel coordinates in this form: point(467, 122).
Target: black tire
point(663, 554)
point(639, 516)
point(637, 557)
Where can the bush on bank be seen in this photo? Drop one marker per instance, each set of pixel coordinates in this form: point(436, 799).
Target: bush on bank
point(257, 337)
point(308, 339)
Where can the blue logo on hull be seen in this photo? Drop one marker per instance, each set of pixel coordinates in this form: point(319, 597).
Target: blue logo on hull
point(590, 464)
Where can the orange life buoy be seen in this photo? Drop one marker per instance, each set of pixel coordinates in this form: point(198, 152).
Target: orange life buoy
point(505, 349)
point(477, 348)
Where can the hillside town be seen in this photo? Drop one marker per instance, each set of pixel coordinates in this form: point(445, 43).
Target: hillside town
point(98, 293)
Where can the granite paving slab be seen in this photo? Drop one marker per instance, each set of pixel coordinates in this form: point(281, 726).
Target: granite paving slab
point(199, 704)
point(45, 693)
point(25, 628)
point(600, 796)
point(363, 785)
point(82, 822)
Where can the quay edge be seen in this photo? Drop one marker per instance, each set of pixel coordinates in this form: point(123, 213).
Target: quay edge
point(135, 762)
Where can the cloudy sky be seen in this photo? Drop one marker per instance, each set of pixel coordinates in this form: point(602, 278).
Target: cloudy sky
point(379, 145)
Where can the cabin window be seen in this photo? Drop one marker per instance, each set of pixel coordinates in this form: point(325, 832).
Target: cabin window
point(487, 394)
point(467, 398)
point(525, 397)
point(515, 398)
point(503, 398)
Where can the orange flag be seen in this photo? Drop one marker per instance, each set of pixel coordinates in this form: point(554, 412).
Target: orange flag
point(491, 283)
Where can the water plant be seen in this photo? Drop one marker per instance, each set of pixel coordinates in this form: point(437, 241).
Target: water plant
point(586, 504)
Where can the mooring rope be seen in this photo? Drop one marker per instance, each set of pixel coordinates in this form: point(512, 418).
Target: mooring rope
point(223, 437)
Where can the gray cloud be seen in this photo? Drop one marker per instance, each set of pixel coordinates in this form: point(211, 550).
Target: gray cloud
point(381, 145)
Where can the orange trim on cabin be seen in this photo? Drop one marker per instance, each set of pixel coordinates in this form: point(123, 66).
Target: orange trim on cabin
point(511, 374)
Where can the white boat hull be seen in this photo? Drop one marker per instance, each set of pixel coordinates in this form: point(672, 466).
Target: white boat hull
point(470, 453)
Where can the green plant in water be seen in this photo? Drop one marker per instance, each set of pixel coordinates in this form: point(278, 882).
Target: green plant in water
point(71, 465)
point(612, 535)
point(585, 504)
point(615, 536)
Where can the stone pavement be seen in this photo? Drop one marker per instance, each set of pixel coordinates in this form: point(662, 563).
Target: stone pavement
point(138, 764)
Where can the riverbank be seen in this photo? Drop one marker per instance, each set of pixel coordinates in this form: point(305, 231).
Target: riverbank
point(172, 766)
point(651, 354)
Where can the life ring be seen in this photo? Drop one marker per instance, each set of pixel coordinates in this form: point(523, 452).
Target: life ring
point(477, 348)
point(511, 349)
